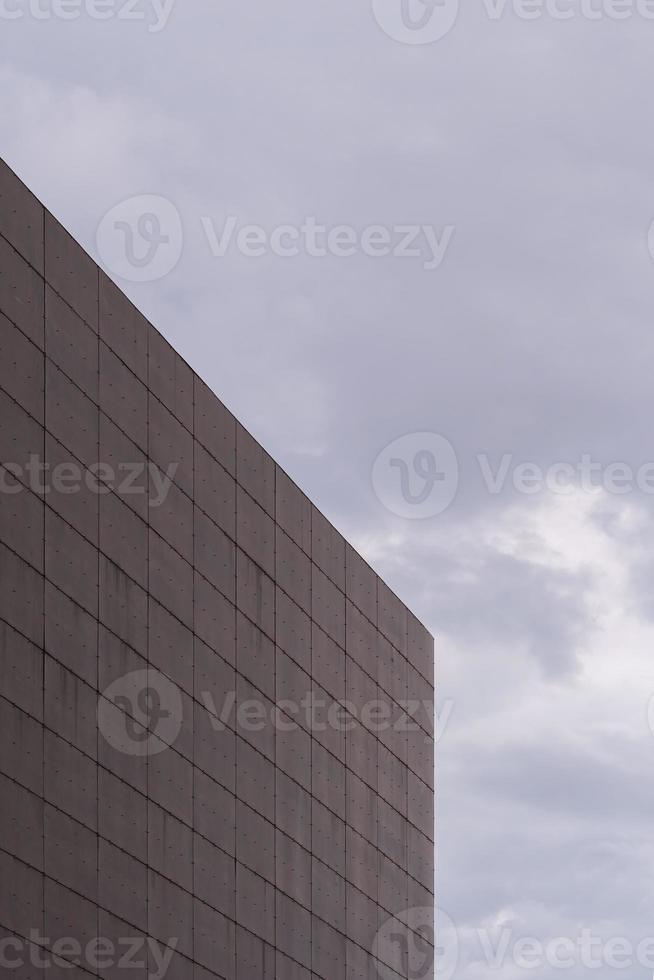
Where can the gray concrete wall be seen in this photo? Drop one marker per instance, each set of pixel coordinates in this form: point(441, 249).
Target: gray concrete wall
point(167, 789)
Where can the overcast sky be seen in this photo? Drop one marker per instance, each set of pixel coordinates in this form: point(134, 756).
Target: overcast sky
point(514, 157)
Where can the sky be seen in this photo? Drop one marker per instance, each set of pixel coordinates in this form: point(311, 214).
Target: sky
point(409, 246)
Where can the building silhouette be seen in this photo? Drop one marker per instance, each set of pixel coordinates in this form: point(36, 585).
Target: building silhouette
point(182, 789)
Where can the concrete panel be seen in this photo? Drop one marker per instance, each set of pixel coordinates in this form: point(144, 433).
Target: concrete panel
point(420, 648)
point(293, 511)
point(22, 521)
point(362, 753)
point(21, 900)
point(21, 293)
point(421, 858)
point(327, 549)
point(123, 816)
point(255, 470)
point(70, 271)
point(21, 671)
point(71, 635)
point(329, 722)
point(328, 837)
point(123, 398)
point(119, 934)
point(170, 913)
point(21, 599)
point(293, 749)
point(122, 885)
point(361, 807)
point(293, 689)
point(362, 918)
point(115, 659)
point(392, 671)
point(21, 823)
point(68, 915)
point(70, 852)
point(293, 929)
point(255, 779)
point(171, 514)
point(328, 606)
point(72, 490)
point(71, 563)
point(127, 464)
point(255, 717)
point(421, 755)
point(170, 379)
point(215, 490)
point(171, 579)
point(254, 958)
point(70, 780)
point(293, 630)
point(255, 594)
point(420, 805)
point(255, 903)
point(293, 869)
point(131, 769)
point(215, 683)
point(255, 531)
point(21, 439)
point(170, 846)
point(393, 831)
point(22, 369)
point(215, 555)
point(327, 951)
point(392, 617)
point(170, 444)
point(393, 733)
point(360, 965)
point(328, 664)
point(255, 841)
point(170, 783)
point(70, 708)
point(123, 328)
point(214, 814)
point(393, 780)
point(421, 692)
point(215, 941)
point(124, 538)
point(361, 584)
point(71, 344)
point(215, 619)
point(21, 217)
point(293, 810)
point(215, 745)
point(328, 895)
point(170, 646)
point(255, 655)
point(393, 886)
point(70, 416)
point(362, 864)
point(215, 426)
point(293, 571)
point(290, 969)
point(123, 606)
point(328, 779)
point(214, 876)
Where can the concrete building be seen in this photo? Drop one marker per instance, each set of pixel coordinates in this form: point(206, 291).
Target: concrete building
point(182, 792)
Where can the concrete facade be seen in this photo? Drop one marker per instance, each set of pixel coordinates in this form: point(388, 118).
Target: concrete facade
point(171, 795)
